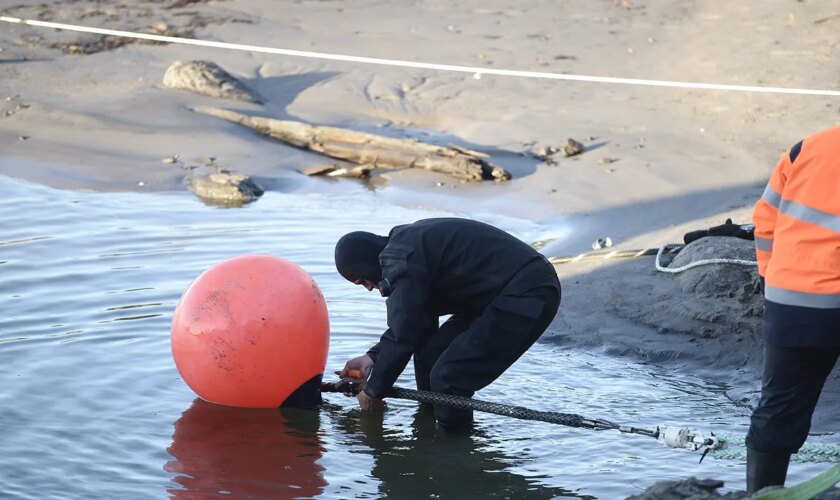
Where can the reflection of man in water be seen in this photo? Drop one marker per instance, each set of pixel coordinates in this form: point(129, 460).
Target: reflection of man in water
point(431, 463)
point(501, 295)
point(224, 452)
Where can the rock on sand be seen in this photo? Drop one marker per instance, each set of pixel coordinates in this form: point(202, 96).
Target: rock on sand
point(225, 189)
point(207, 78)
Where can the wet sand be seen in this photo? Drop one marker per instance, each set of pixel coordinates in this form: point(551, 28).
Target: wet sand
point(657, 163)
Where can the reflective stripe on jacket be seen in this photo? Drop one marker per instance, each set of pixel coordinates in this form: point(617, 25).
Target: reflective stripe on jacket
point(797, 225)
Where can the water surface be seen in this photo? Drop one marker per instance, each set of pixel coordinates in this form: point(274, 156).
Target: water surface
point(91, 405)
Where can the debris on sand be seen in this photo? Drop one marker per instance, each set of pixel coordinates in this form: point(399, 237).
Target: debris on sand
point(95, 44)
point(602, 243)
point(207, 78)
point(372, 150)
point(335, 170)
point(545, 154)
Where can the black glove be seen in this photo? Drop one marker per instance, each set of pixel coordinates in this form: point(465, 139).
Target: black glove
point(743, 231)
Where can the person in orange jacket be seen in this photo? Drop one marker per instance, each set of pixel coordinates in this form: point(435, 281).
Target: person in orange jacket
point(797, 239)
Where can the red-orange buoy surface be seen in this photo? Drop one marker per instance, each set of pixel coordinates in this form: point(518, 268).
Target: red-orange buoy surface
point(249, 331)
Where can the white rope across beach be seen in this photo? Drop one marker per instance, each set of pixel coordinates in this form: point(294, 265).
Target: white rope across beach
point(477, 72)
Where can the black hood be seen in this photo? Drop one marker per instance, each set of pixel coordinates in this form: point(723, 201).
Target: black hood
point(357, 256)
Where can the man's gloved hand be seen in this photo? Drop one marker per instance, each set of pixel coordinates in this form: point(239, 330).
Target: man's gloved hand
point(363, 363)
point(367, 403)
point(743, 231)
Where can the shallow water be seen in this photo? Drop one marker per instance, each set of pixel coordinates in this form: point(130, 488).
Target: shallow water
point(91, 405)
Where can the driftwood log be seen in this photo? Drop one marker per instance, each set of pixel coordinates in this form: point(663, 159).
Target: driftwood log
point(370, 150)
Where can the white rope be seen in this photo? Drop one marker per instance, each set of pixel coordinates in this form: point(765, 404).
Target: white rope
point(675, 270)
point(477, 72)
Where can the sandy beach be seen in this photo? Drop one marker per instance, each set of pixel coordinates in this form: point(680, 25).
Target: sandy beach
point(657, 162)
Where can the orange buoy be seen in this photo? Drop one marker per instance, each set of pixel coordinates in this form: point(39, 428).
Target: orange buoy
point(249, 331)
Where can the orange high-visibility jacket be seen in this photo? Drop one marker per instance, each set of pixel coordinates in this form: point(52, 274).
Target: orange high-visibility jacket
point(797, 225)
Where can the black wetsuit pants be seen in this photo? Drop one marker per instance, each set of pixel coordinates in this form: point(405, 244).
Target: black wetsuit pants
point(469, 352)
point(791, 386)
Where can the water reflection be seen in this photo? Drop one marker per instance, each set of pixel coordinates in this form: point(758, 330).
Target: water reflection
point(428, 462)
point(224, 452)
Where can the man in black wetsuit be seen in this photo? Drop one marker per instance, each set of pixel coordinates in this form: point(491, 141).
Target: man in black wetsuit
point(502, 294)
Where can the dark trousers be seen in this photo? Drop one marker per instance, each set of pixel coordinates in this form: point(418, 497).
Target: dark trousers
point(467, 353)
point(791, 386)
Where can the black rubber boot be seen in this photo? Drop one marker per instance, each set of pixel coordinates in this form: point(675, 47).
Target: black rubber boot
point(453, 420)
point(766, 469)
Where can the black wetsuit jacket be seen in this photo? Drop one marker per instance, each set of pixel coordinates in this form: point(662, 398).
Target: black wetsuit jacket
point(432, 268)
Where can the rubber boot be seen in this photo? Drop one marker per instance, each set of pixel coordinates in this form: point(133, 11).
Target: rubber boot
point(766, 469)
point(452, 420)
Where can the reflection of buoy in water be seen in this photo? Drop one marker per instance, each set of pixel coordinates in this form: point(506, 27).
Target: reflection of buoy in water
point(220, 452)
point(249, 331)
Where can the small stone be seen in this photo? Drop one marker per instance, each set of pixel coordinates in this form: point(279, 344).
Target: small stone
point(169, 160)
point(160, 27)
point(141, 183)
point(546, 151)
point(23, 137)
point(607, 161)
point(572, 148)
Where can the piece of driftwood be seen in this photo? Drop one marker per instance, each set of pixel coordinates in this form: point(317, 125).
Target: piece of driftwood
point(333, 170)
point(374, 151)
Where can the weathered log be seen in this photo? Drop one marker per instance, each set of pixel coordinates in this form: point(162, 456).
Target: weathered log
point(371, 150)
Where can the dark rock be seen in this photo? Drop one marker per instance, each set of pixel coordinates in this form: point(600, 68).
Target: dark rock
point(726, 281)
point(691, 488)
